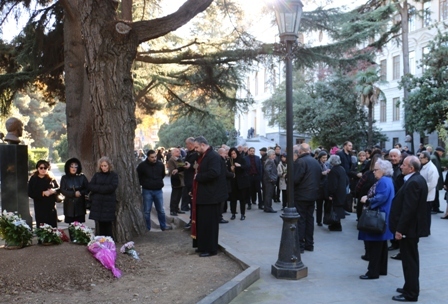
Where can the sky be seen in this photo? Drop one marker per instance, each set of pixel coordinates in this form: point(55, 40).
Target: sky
point(250, 7)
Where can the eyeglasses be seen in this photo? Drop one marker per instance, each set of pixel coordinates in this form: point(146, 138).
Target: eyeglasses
point(74, 166)
point(43, 168)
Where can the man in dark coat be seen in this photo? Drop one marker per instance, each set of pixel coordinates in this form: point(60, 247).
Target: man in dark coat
point(209, 191)
point(150, 175)
point(270, 175)
point(346, 162)
point(190, 160)
point(255, 171)
point(307, 173)
point(408, 222)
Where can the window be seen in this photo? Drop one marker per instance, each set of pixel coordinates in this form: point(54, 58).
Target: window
point(412, 62)
point(383, 111)
point(411, 20)
point(394, 141)
point(425, 52)
point(396, 109)
point(396, 67)
point(443, 9)
point(256, 83)
point(383, 70)
point(426, 14)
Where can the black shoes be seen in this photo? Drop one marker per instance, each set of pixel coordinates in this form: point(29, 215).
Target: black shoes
point(243, 217)
point(233, 217)
point(207, 254)
point(444, 217)
point(260, 207)
point(180, 212)
point(270, 211)
point(188, 226)
point(401, 298)
point(347, 213)
point(309, 248)
point(223, 221)
point(392, 247)
point(319, 224)
point(185, 209)
point(366, 277)
point(400, 290)
point(173, 213)
point(167, 227)
point(397, 256)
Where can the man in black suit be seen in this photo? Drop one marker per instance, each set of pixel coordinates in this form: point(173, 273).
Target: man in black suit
point(408, 222)
point(209, 191)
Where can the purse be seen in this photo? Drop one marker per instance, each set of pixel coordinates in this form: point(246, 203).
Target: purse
point(331, 218)
point(372, 221)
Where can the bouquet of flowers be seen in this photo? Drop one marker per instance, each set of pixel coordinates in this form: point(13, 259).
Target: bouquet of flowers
point(14, 230)
point(80, 233)
point(103, 249)
point(48, 234)
point(129, 248)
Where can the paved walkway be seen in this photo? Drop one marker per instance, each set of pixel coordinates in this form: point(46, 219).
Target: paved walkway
point(335, 265)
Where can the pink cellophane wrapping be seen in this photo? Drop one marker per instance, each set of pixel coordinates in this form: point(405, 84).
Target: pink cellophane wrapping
point(103, 249)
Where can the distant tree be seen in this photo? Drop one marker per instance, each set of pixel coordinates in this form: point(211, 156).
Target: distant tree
point(174, 134)
point(62, 147)
point(426, 107)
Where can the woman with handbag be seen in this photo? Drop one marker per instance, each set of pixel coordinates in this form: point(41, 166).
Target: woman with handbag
point(74, 188)
point(43, 189)
point(379, 198)
point(337, 192)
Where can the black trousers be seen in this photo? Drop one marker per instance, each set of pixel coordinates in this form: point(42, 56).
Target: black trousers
point(378, 255)
point(268, 195)
point(254, 190)
point(411, 267)
point(284, 198)
point(207, 227)
point(436, 202)
point(176, 196)
point(320, 209)
point(104, 228)
point(186, 198)
point(306, 223)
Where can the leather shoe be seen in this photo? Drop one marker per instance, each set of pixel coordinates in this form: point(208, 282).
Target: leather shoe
point(185, 209)
point(188, 226)
point(207, 254)
point(397, 256)
point(400, 290)
point(260, 207)
point(401, 298)
point(233, 217)
point(366, 277)
point(243, 217)
point(392, 248)
point(309, 248)
point(173, 213)
point(270, 211)
point(249, 207)
point(180, 212)
point(167, 227)
point(223, 221)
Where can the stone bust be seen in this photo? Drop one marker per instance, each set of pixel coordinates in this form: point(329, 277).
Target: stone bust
point(15, 129)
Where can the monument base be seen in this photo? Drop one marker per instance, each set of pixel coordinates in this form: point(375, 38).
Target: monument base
point(288, 273)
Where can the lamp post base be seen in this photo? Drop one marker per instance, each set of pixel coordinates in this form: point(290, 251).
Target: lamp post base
point(289, 264)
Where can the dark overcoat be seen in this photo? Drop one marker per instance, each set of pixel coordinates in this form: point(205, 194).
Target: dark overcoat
point(70, 183)
point(337, 189)
point(103, 197)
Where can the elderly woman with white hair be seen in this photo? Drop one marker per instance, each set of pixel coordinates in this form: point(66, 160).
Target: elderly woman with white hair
point(337, 191)
point(380, 197)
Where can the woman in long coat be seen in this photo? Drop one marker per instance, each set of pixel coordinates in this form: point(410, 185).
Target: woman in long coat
point(43, 188)
point(240, 184)
point(380, 197)
point(337, 191)
point(74, 188)
point(103, 198)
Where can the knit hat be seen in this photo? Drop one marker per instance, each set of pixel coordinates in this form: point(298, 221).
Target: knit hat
point(264, 149)
point(439, 148)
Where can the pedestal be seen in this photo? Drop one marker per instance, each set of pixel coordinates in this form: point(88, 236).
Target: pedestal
point(289, 264)
point(14, 179)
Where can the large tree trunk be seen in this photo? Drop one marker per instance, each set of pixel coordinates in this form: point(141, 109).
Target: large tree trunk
point(77, 92)
point(111, 47)
point(370, 127)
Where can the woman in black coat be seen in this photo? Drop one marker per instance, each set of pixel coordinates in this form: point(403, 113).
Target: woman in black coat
point(43, 189)
point(74, 188)
point(240, 183)
point(337, 191)
point(103, 198)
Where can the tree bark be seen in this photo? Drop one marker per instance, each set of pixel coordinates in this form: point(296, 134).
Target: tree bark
point(111, 47)
point(77, 92)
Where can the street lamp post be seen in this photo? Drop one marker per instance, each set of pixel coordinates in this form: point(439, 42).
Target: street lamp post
point(289, 264)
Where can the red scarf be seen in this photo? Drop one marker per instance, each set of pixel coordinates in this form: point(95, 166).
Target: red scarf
point(193, 203)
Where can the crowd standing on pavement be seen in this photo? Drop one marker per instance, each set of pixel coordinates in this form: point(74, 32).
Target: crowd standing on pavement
point(334, 184)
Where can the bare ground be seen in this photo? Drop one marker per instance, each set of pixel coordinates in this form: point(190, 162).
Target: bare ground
point(169, 272)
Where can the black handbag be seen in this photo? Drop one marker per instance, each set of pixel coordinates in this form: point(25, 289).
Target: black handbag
point(331, 218)
point(372, 221)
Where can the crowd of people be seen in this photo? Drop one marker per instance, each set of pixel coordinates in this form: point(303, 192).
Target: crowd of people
point(402, 186)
